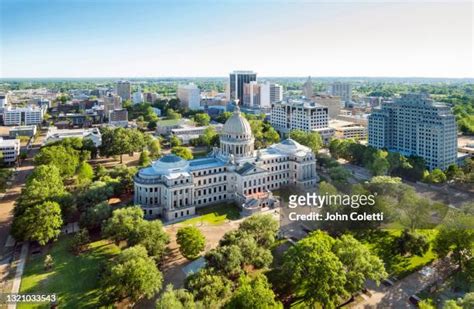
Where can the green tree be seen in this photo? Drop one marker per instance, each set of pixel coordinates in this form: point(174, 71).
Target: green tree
point(208, 287)
point(154, 148)
point(222, 118)
point(66, 159)
point(182, 152)
point(271, 136)
point(414, 211)
point(43, 184)
point(191, 242)
point(253, 293)
point(227, 260)
point(85, 174)
point(131, 275)
point(426, 304)
point(171, 114)
point(359, 263)
point(202, 119)
point(124, 224)
point(94, 217)
point(451, 304)
point(262, 227)
point(152, 125)
point(252, 253)
point(315, 273)
point(454, 172)
point(312, 140)
point(144, 159)
point(411, 243)
point(152, 236)
point(209, 137)
point(98, 191)
point(380, 164)
point(80, 241)
point(175, 299)
point(468, 300)
point(41, 223)
point(175, 141)
point(456, 235)
point(436, 176)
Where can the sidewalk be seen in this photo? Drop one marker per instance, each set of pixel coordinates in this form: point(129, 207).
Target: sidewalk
point(20, 266)
point(397, 296)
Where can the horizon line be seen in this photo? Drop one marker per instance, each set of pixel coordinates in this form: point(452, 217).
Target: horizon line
point(219, 76)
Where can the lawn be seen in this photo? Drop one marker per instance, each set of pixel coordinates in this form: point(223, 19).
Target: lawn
point(380, 242)
point(74, 279)
point(214, 215)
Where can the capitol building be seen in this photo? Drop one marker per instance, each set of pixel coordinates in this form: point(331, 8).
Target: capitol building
point(172, 188)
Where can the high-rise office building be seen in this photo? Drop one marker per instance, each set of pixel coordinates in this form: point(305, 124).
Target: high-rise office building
point(237, 79)
point(261, 95)
point(190, 96)
point(17, 116)
point(333, 104)
point(112, 102)
point(416, 125)
point(137, 97)
point(252, 94)
point(276, 93)
point(124, 89)
point(304, 115)
point(343, 90)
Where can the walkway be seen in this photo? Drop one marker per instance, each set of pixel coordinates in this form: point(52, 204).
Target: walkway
point(397, 296)
point(19, 272)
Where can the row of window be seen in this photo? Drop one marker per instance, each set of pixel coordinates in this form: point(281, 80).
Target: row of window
point(210, 199)
point(212, 180)
point(210, 190)
point(209, 172)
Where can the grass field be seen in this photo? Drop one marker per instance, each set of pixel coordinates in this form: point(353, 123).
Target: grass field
point(381, 242)
point(215, 215)
point(74, 279)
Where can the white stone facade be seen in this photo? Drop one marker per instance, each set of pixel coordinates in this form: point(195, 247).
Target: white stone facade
point(303, 115)
point(416, 125)
point(172, 188)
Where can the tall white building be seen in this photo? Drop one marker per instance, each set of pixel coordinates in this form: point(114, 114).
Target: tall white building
point(112, 102)
point(137, 97)
point(124, 89)
point(343, 90)
point(276, 93)
point(10, 149)
point(416, 125)
point(261, 95)
point(301, 114)
point(172, 188)
point(252, 94)
point(307, 89)
point(190, 96)
point(17, 116)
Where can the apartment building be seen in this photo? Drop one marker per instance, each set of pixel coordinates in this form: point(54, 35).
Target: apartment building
point(10, 149)
point(17, 116)
point(416, 125)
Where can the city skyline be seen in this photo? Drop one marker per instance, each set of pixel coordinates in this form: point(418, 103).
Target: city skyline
point(204, 38)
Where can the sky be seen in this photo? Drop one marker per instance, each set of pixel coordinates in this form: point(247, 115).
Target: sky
point(191, 38)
